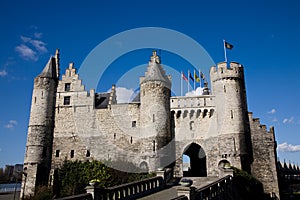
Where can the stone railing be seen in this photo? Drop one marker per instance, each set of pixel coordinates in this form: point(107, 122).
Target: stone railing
point(221, 189)
point(131, 190)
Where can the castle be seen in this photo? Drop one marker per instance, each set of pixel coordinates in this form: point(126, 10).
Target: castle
point(153, 131)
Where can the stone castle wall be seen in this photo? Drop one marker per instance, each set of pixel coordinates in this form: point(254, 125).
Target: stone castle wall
point(159, 129)
point(264, 153)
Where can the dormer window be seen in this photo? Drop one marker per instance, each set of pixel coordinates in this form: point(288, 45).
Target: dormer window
point(67, 87)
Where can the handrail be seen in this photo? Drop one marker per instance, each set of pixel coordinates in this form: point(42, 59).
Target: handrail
point(132, 190)
point(220, 188)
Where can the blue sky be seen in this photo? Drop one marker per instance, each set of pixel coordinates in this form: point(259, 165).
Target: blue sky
point(265, 35)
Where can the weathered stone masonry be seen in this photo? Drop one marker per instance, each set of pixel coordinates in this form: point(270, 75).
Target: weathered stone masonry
point(154, 130)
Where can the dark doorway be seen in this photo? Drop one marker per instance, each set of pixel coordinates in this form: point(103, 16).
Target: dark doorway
point(197, 159)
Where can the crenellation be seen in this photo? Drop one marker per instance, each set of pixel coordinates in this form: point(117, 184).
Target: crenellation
point(154, 131)
point(221, 71)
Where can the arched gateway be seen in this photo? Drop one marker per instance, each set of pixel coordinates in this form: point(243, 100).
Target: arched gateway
point(197, 158)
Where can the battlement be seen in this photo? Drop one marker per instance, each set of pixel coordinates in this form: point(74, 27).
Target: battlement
point(221, 71)
point(257, 125)
point(192, 102)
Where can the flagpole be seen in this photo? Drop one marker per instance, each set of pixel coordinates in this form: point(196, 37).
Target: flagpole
point(194, 80)
point(225, 51)
point(181, 83)
point(188, 76)
point(199, 78)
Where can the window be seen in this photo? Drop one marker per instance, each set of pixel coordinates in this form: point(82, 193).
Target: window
point(67, 100)
point(67, 86)
point(133, 124)
point(57, 153)
point(88, 153)
point(72, 154)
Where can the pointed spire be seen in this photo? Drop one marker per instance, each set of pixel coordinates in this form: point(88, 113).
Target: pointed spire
point(155, 71)
point(49, 70)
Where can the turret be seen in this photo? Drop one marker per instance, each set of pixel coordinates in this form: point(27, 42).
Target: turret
point(155, 92)
point(228, 86)
point(37, 160)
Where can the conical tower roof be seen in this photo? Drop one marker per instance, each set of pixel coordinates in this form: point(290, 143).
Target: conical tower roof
point(155, 71)
point(49, 70)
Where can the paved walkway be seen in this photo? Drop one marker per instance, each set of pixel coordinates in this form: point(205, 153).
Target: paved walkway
point(170, 193)
point(164, 194)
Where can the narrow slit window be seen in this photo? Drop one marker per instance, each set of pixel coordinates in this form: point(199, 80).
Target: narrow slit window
point(231, 114)
point(88, 153)
point(72, 154)
point(57, 153)
point(153, 145)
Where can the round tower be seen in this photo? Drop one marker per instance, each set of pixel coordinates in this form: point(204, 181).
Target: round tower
point(37, 162)
point(228, 87)
point(155, 92)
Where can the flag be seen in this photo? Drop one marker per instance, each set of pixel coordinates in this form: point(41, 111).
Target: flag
point(196, 77)
point(202, 75)
point(184, 77)
point(191, 77)
point(227, 45)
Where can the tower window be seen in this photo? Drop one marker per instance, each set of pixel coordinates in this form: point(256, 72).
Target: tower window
point(130, 140)
point(153, 145)
point(153, 118)
point(72, 154)
point(67, 86)
point(67, 100)
point(133, 124)
point(57, 153)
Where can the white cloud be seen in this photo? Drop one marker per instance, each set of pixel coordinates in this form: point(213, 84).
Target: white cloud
point(124, 95)
point(38, 35)
point(11, 124)
point(30, 49)
point(288, 120)
point(285, 147)
point(198, 91)
point(26, 52)
point(39, 45)
point(3, 73)
point(273, 111)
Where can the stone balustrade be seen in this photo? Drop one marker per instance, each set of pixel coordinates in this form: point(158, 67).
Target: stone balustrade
point(128, 191)
point(221, 188)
